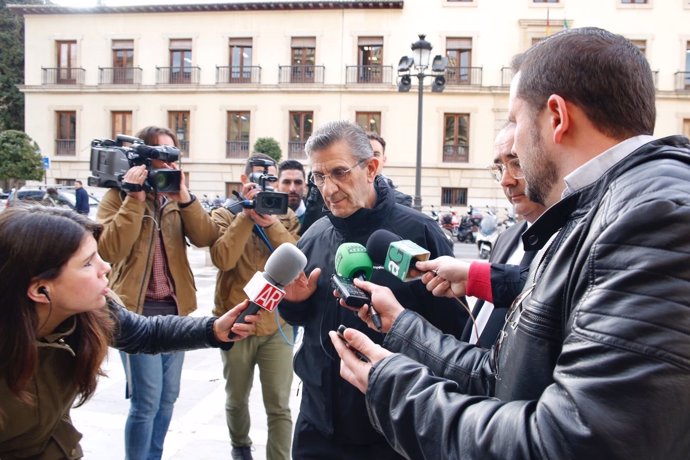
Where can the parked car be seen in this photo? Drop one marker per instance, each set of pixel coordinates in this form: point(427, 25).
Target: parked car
point(3, 199)
point(66, 197)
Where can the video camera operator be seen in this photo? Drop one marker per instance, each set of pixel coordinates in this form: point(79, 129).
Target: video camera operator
point(144, 239)
point(248, 236)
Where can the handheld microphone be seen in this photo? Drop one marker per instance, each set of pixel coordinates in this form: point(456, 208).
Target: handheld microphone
point(265, 289)
point(351, 261)
point(395, 254)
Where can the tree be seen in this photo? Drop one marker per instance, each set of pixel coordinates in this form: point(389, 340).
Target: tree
point(12, 65)
point(269, 146)
point(20, 159)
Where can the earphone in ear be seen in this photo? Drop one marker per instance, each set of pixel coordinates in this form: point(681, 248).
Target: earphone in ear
point(44, 291)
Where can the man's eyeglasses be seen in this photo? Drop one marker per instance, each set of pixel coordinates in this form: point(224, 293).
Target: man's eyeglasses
point(512, 166)
point(336, 175)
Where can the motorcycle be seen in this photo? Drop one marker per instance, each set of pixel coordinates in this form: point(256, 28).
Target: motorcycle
point(487, 236)
point(467, 230)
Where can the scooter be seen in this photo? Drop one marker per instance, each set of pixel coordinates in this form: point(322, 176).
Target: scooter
point(487, 236)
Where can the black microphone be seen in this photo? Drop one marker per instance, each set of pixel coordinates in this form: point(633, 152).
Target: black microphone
point(265, 289)
point(396, 255)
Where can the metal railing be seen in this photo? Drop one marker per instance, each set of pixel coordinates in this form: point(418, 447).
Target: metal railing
point(63, 75)
point(455, 153)
point(296, 150)
point(301, 73)
point(177, 75)
point(367, 74)
point(184, 148)
point(682, 81)
point(65, 147)
point(236, 149)
point(119, 75)
point(506, 76)
point(471, 76)
point(238, 74)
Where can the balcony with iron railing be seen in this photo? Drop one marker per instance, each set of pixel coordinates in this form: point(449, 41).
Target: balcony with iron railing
point(177, 75)
point(296, 150)
point(184, 148)
point(682, 81)
point(463, 76)
point(238, 74)
point(455, 153)
point(369, 74)
point(63, 75)
point(119, 75)
point(65, 147)
point(301, 74)
point(237, 149)
point(506, 76)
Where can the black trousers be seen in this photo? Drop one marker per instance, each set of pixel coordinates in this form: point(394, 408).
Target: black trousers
point(312, 444)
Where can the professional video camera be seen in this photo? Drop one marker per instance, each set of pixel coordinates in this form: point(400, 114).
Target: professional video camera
point(110, 160)
point(266, 201)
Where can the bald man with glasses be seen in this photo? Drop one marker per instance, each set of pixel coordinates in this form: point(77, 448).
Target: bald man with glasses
point(333, 421)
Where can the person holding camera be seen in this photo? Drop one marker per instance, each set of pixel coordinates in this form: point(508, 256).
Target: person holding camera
point(247, 240)
point(143, 238)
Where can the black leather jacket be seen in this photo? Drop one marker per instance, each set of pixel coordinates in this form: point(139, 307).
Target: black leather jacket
point(594, 362)
point(158, 334)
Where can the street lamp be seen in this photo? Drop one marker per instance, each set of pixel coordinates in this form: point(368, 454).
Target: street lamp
point(421, 52)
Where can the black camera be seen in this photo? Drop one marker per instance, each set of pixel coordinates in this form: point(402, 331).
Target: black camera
point(110, 160)
point(267, 201)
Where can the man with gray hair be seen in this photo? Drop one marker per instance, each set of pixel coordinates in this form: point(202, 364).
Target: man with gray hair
point(333, 421)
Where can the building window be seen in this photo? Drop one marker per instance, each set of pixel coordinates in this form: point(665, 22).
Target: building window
point(456, 138)
point(303, 59)
point(178, 122)
point(301, 125)
point(181, 61)
point(66, 130)
point(67, 62)
point(123, 61)
point(686, 74)
point(121, 123)
point(369, 121)
point(370, 59)
point(453, 196)
point(237, 142)
point(240, 60)
point(459, 53)
point(686, 127)
point(641, 45)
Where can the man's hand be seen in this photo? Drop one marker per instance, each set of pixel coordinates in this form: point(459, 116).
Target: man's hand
point(382, 300)
point(302, 287)
point(445, 276)
point(226, 324)
point(352, 368)
point(136, 175)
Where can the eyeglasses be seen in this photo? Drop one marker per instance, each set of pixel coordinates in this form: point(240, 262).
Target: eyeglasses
point(512, 166)
point(336, 175)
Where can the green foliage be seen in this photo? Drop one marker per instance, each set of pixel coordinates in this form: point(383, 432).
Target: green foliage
point(19, 157)
point(269, 146)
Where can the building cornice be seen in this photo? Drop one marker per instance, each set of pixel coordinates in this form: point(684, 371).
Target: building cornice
point(297, 5)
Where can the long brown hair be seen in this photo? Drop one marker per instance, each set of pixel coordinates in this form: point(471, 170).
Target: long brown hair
point(35, 243)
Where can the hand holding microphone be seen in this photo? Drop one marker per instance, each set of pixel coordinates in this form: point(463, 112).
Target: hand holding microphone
point(445, 276)
point(352, 262)
point(265, 289)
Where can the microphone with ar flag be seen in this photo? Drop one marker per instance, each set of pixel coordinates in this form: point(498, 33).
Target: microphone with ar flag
point(265, 289)
point(396, 255)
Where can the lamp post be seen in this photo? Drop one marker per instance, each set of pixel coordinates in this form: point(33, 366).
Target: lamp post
point(421, 52)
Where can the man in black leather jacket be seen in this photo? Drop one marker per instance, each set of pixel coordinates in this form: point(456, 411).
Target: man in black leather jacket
point(594, 361)
point(333, 422)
